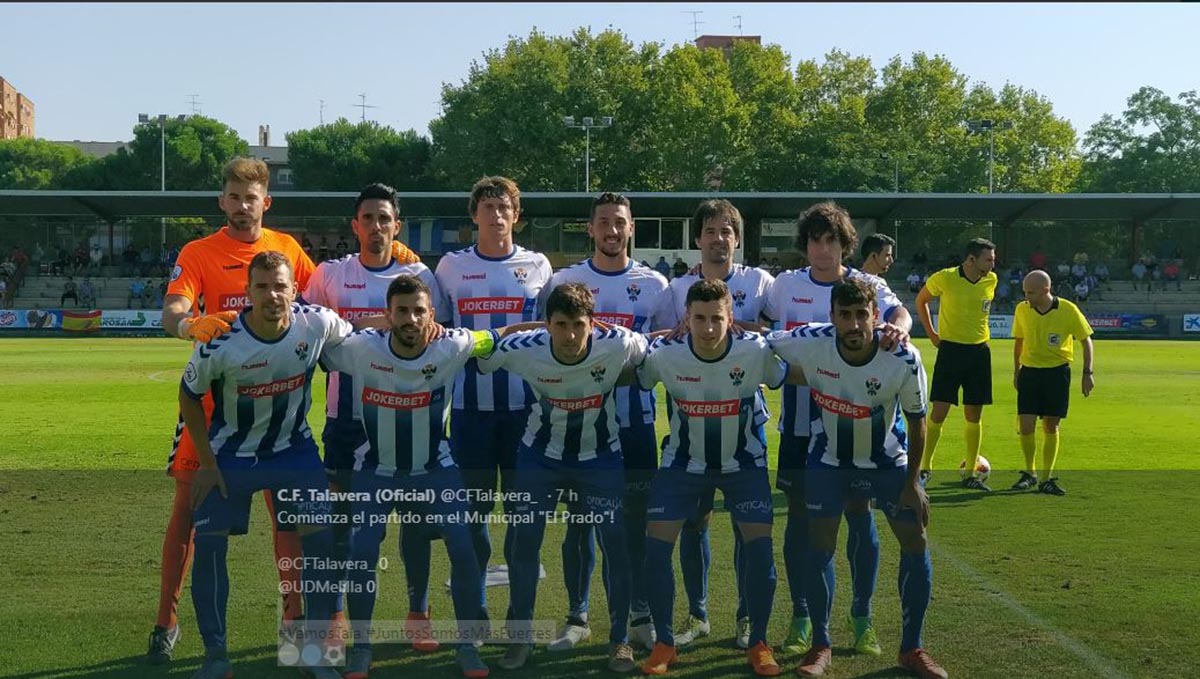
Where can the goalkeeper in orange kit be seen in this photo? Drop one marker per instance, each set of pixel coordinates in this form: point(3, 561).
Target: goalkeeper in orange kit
point(210, 278)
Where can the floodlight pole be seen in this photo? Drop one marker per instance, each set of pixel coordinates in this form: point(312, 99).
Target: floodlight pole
point(587, 125)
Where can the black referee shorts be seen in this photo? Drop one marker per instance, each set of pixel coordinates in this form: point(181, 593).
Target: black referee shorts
point(965, 366)
point(1044, 391)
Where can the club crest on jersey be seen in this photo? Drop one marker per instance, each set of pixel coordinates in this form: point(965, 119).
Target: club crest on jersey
point(873, 386)
point(987, 305)
point(739, 298)
point(302, 350)
point(429, 371)
point(598, 373)
point(737, 375)
point(176, 273)
point(633, 291)
point(521, 274)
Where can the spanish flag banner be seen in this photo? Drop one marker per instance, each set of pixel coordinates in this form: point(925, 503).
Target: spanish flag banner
point(81, 321)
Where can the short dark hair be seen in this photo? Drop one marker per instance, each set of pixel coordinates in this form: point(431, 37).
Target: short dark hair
point(268, 260)
point(377, 191)
point(494, 187)
point(716, 207)
point(571, 299)
point(407, 285)
point(851, 291)
point(976, 246)
point(876, 242)
point(708, 290)
point(823, 218)
point(609, 198)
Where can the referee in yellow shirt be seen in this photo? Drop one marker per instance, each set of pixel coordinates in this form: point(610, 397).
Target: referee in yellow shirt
point(964, 359)
point(1045, 328)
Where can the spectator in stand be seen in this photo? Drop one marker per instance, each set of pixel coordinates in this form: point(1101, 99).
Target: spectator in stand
point(341, 249)
point(1003, 295)
point(68, 291)
point(919, 261)
point(1037, 259)
point(87, 293)
point(306, 244)
point(22, 261)
point(1081, 292)
point(62, 262)
point(3, 291)
point(8, 268)
point(136, 288)
point(1138, 272)
point(1101, 274)
point(39, 255)
point(1093, 284)
point(1156, 275)
point(776, 267)
point(129, 259)
point(1080, 257)
point(663, 267)
point(1015, 276)
point(1078, 271)
point(1170, 272)
point(1064, 270)
point(148, 292)
point(323, 249)
point(914, 281)
point(95, 259)
point(79, 260)
point(681, 267)
point(162, 294)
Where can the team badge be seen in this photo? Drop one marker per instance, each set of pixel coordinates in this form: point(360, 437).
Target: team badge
point(521, 274)
point(873, 386)
point(302, 350)
point(1055, 339)
point(987, 306)
point(429, 371)
point(189, 373)
point(598, 373)
point(176, 273)
point(739, 298)
point(737, 375)
point(633, 291)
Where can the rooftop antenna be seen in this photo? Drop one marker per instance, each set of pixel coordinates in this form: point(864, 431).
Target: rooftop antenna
point(739, 23)
point(194, 100)
point(695, 21)
point(364, 106)
point(322, 113)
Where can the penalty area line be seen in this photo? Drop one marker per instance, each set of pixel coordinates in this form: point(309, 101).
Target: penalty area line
point(1098, 663)
point(158, 376)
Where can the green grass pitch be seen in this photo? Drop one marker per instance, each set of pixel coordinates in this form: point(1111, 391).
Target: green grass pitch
point(1101, 582)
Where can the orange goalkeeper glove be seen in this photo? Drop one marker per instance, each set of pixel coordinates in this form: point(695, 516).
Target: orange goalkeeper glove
point(206, 328)
point(403, 254)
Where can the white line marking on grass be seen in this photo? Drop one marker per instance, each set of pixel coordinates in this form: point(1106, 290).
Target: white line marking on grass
point(156, 377)
point(1098, 663)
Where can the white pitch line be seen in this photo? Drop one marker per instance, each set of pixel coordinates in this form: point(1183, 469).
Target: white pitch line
point(1098, 663)
point(154, 377)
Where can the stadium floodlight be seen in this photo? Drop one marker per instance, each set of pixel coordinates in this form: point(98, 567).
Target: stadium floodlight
point(161, 120)
point(896, 167)
point(988, 125)
point(587, 125)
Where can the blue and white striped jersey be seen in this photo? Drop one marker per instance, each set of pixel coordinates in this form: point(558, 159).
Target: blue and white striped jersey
point(796, 300)
point(573, 417)
point(857, 419)
point(262, 389)
point(747, 285)
point(405, 401)
point(718, 413)
point(636, 298)
point(486, 293)
point(354, 291)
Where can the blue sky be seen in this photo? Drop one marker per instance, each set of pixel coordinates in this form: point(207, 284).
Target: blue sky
point(90, 69)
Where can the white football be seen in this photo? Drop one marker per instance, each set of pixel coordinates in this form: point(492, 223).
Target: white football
point(982, 467)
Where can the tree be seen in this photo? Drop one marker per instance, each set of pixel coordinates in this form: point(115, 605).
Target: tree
point(37, 163)
point(1153, 146)
point(345, 156)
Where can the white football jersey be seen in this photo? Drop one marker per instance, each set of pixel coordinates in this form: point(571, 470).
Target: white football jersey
point(405, 402)
point(485, 293)
point(355, 290)
point(747, 285)
point(857, 420)
point(633, 299)
point(796, 300)
point(718, 413)
point(261, 389)
point(573, 417)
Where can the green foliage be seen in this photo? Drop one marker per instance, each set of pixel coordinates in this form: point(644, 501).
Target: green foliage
point(1153, 146)
point(37, 163)
point(345, 156)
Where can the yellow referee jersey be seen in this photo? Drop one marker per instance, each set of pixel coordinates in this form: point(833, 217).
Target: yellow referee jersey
point(1048, 339)
point(963, 306)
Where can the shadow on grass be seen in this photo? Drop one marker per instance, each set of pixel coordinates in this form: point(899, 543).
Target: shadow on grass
point(251, 662)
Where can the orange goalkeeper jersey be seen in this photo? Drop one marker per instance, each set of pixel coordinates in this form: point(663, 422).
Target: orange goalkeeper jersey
point(211, 272)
